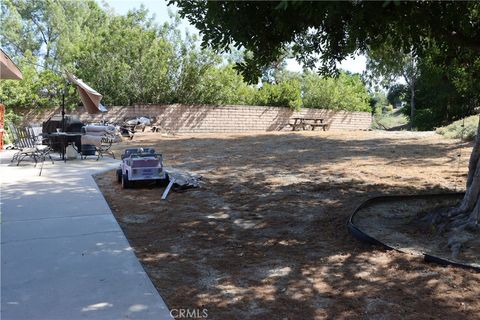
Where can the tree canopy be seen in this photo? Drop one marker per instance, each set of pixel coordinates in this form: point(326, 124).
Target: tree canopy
point(435, 45)
point(130, 59)
point(328, 32)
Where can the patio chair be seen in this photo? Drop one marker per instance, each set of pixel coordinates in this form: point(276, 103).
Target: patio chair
point(12, 132)
point(20, 142)
point(27, 144)
point(105, 145)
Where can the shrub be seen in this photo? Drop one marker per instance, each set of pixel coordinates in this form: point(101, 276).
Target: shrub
point(389, 108)
point(10, 117)
point(347, 92)
point(425, 119)
point(283, 94)
point(456, 130)
point(222, 85)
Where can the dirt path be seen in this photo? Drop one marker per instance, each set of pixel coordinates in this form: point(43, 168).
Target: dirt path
point(265, 238)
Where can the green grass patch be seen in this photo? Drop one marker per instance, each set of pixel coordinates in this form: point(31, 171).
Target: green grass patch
point(389, 120)
point(456, 130)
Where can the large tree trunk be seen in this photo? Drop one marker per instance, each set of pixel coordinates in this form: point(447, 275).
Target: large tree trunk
point(473, 180)
point(462, 222)
point(475, 157)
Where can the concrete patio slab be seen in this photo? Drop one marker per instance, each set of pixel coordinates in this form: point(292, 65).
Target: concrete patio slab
point(92, 276)
point(62, 196)
point(63, 254)
point(58, 227)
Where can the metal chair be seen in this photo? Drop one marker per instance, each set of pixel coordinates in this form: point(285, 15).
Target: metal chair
point(100, 136)
point(105, 145)
point(27, 143)
point(20, 143)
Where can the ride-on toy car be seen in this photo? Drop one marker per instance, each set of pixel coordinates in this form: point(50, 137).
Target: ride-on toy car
point(141, 164)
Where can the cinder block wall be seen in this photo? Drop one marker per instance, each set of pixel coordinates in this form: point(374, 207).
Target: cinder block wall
point(207, 118)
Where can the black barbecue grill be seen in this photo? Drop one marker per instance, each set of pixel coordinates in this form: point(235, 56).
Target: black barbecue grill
point(72, 125)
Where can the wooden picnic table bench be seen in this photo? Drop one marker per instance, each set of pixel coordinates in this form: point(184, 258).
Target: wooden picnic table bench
point(303, 122)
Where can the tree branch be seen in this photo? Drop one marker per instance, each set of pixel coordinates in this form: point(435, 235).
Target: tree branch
point(462, 40)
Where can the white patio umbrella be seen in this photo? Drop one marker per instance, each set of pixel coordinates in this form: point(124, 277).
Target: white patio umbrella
point(90, 98)
point(8, 69)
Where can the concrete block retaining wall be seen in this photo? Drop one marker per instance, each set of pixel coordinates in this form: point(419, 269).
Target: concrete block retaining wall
point(207, 118)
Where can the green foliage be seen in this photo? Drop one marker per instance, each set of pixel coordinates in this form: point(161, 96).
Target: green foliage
point(327, 32)
point(379, 103)
point(387, 63)
point(397, 93)
point(389, 121)
point(285, 93)
point(457, 130)
point(128, 63)
point(425, 119)
point(223, 85)
point(26, 94)
point(433, 45)
point(347, 92)
point(10, 117)
point(129, 59)
point(444, 92)
point(50, 29)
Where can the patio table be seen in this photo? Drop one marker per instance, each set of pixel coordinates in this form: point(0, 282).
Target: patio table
point(63, 139)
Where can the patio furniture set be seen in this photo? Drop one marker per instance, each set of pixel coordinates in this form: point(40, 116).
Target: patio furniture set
point(38, 143)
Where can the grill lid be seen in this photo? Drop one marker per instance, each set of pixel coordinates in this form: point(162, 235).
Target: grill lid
point(72, 124)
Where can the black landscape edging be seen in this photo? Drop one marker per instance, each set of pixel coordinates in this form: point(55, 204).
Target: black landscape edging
point(359, 234)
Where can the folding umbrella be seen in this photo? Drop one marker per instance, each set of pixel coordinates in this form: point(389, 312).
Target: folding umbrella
point(8, 69)
point(90, 98)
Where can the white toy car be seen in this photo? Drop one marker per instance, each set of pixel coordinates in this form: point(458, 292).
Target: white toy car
point(140, 164)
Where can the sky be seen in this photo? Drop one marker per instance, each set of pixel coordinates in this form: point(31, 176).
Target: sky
point(160, 9)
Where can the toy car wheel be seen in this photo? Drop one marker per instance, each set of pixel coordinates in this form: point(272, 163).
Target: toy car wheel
point(125, 182)
point(119, 175)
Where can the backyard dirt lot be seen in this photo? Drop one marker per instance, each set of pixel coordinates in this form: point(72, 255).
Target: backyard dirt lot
point(265, 235)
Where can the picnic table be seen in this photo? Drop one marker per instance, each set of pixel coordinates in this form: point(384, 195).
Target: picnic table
point(304, 122)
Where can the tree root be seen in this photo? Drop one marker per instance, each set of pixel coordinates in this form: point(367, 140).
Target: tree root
point(458, 224)
point(461, 229)
point(456, 240)
point(461, 224)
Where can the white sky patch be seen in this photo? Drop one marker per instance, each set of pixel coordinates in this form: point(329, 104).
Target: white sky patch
point(356, 64)
point(158, 8)
point(293, 65)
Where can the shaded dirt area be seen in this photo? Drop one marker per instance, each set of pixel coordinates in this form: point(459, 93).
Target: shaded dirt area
point(399, 223)
point(265, 237)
